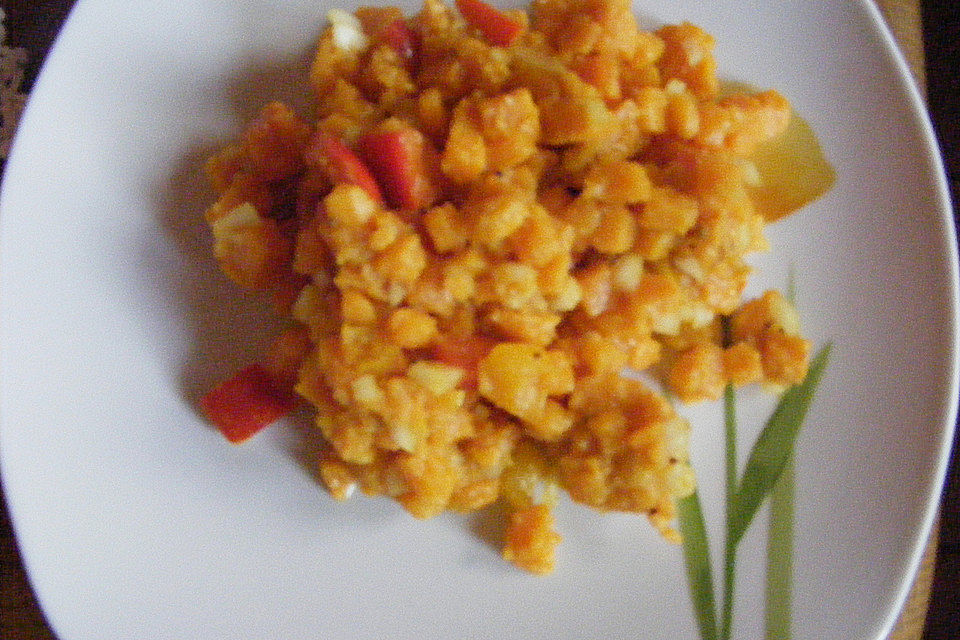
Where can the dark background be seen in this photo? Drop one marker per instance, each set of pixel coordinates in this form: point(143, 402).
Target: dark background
point(32, 24)
point(941, 33)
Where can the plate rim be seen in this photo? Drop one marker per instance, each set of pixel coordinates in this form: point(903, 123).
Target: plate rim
point(948, 419)
point(921, 122)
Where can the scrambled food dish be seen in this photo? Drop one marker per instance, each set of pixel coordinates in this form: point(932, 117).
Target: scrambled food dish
point(489, 218)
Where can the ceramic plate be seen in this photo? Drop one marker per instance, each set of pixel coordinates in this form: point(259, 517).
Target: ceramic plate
point(137, 520)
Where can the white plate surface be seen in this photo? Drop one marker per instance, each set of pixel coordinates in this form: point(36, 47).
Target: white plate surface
point(136, 520)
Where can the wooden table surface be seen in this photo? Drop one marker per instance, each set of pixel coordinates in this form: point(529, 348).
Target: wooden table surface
point(32, 23)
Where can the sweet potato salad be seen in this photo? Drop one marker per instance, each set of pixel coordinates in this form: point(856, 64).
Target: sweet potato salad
point(488, 219)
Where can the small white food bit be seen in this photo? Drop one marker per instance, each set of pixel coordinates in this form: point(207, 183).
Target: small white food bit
point(675, 87)
point(243, 216)
point(751, 175)
point(693, 52)
point(437, 378)
point(349, 490)
point(366, 392)
point(347, 30)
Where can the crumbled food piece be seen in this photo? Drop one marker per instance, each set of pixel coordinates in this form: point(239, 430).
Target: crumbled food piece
point(531, 540)
point(697, 373)
point(494, 214)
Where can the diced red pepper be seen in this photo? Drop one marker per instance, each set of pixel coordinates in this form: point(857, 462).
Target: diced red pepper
point(342, 163)
point(496, 26)
point(399, 161)
point(399, 37)
point(464, 353)
point(246, 403)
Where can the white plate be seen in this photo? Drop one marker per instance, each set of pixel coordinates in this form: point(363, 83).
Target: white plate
point(136, 520)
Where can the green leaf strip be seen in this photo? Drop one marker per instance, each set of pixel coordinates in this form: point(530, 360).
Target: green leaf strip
point(778, 610)
point(729, 554)
point(774, 447)
point(696, 556)
point(779, 588)
point(729, 575)
point(730, 429)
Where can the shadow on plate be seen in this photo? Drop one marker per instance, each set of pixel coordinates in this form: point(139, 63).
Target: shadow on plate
point(229, 327)
point(225, 327)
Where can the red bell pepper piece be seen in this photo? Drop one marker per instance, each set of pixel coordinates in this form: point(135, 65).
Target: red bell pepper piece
point(464, 353)
point(342, 163)
point(496, 26)
point(246, 403)
point(399, 37)
point(399, 161)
